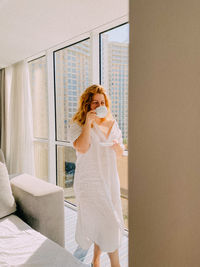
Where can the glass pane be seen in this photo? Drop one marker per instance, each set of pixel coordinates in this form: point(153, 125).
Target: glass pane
point(122, 164)
point(66, 158)
point(38, 83)
point(114, 77)
point(114, 73)
point(41, 160)
point(72, 76)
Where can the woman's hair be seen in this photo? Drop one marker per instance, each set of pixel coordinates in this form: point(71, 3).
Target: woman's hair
point(85, 101)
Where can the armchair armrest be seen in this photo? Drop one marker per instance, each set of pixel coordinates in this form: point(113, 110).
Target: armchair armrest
point(41, 205)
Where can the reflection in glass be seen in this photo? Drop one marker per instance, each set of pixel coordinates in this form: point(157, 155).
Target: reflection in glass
point(114, 77)
point(114, 73)
point(66, 158)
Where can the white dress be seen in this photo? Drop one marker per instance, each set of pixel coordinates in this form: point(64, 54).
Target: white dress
point(97, 191)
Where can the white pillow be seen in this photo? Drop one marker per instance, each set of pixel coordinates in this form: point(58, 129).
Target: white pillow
point(7, 202)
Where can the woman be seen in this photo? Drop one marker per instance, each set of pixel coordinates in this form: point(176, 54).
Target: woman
point(98, 140)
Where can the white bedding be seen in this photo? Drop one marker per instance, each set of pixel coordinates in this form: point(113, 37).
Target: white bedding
point(20, 245)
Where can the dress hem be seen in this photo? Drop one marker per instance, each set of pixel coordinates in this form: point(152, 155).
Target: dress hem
point(102, 250)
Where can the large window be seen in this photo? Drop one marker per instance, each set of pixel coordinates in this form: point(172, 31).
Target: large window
point(39, 92)
point(114, 77)
point(72, 76)
point(74, 68)
point(114, 73)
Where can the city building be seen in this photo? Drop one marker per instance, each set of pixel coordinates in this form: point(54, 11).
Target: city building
point(114, 75)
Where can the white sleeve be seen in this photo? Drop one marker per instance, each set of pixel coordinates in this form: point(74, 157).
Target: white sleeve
point(74, 131)
point(119, 136)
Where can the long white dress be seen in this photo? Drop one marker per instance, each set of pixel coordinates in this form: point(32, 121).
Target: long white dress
point(97, 191)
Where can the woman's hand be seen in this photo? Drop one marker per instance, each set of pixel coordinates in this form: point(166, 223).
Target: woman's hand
point(117, 148)
point(90, 117)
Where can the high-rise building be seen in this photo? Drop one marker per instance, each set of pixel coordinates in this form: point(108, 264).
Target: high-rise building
point(114, 75)
point(72, 77)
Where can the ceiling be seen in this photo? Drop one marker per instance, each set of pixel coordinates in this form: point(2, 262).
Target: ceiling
point(28, 27)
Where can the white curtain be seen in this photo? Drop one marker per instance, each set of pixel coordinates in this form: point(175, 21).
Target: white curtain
point(20, 154)
point(2, 111)
point(6, 141)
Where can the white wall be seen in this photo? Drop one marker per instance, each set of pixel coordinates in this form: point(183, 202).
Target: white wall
point(164, 128)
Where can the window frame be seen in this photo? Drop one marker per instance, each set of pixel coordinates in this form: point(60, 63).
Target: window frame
point(94, 36)
point(39, 139)
point(54, 70)
point(125, 153)
point(100, 59)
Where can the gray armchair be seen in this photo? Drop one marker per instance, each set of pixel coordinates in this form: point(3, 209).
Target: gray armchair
point(39, 204)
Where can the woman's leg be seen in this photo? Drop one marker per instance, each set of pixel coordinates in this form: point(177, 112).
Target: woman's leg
point(114, 258)
point(96, 257)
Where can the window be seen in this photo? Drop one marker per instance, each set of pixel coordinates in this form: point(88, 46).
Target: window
point(81, 52)
point(114, 55)
point(41, 159)
point(38, 82)
point(75, 68)
point(66, 158)
point(66, 92)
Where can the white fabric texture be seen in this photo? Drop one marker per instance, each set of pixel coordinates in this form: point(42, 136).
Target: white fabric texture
point(6, 139)
point(19, 152)
point(20, 245)
point(97, 190)
point(7, 202)
point(2, 110)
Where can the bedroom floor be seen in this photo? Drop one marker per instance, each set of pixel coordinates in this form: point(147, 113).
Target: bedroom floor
point(71, 245)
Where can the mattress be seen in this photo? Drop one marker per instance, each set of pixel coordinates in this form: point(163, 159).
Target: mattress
point(20, 245)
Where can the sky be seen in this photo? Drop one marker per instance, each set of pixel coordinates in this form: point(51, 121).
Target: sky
point(119, 34)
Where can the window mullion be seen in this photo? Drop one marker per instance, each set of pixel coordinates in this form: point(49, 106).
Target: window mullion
point(94, 38)
point(51, 106)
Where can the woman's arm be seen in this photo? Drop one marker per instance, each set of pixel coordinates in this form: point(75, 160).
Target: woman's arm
point(118, 148)
point(118, 143)
point(82, 143)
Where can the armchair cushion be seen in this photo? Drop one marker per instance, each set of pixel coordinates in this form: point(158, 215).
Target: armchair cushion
point(7, 202)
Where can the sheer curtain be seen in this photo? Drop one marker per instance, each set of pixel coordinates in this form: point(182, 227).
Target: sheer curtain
point(2, 111)
point(20, 154)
